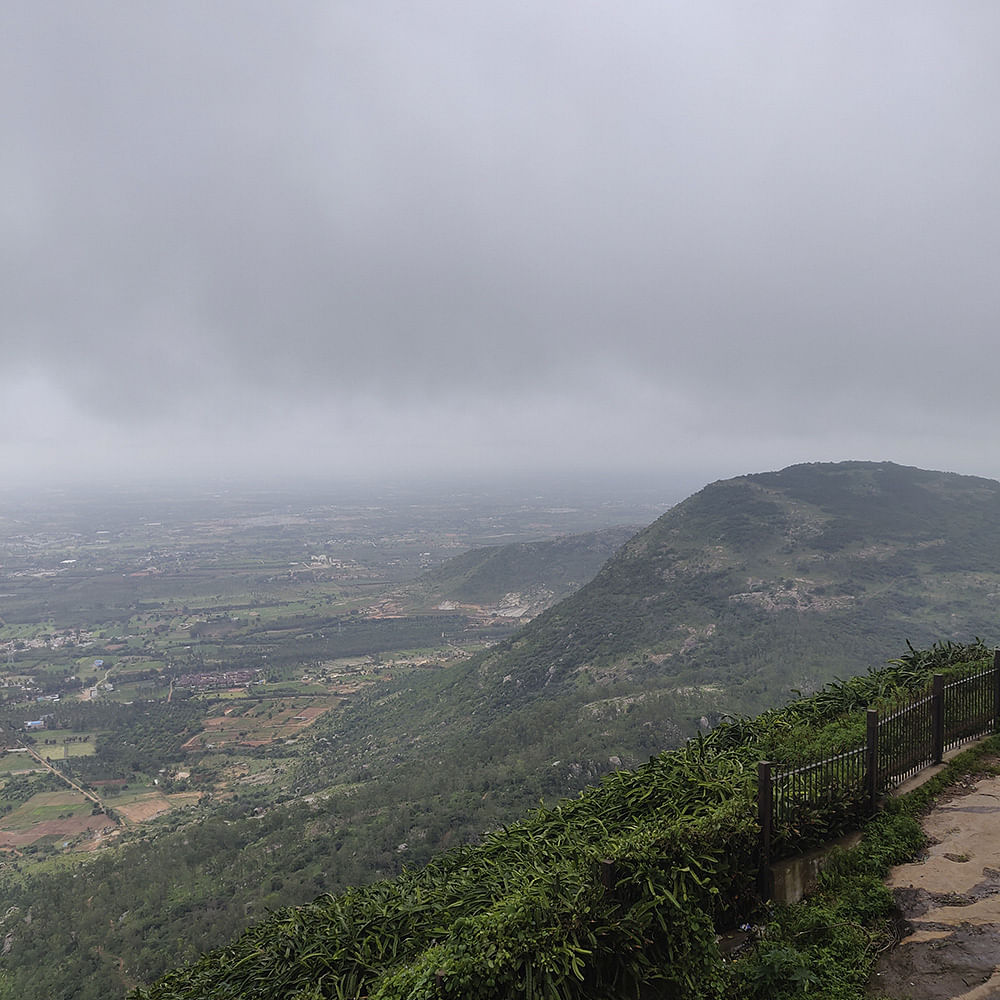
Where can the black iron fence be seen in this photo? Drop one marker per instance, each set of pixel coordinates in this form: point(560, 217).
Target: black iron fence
point(906, 738)
point(835, 794)
point(971, 706)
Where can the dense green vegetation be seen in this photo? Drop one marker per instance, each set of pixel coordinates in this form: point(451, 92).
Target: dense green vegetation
point(825, 946)
point(116, 599)
point(773, 582)
point(554, 567)
point(624, 886)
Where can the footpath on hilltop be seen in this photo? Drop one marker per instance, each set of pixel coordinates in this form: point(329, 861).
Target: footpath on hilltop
point(949, 902)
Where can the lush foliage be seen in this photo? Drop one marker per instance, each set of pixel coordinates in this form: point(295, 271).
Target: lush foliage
point(622, 886)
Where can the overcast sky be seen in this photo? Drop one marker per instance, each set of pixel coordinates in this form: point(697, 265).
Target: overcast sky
point(697, 238)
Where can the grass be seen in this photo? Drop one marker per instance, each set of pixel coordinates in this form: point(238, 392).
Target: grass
point(45, 806)
point(56, 862)
point(140, 691)
point(67, 743)
point(10, 762)
point(27, 632)
point(134, 793)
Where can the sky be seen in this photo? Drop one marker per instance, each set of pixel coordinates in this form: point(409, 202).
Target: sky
point(687, 240)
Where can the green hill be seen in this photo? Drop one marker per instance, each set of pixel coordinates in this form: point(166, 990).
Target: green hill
point(617, 893)
point(747, 591)
point(520, 578)
point(768, 582)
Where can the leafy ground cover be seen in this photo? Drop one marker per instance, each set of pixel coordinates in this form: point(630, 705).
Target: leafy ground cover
point(623, 887)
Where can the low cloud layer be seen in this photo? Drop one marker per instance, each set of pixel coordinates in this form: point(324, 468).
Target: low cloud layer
point(392, 237)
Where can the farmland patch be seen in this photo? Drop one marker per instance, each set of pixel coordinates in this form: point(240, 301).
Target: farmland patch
point(58, 744)
point(55, 815)
point(257, 722)
point(144, 807)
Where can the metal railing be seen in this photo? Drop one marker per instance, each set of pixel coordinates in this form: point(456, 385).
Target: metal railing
point(906, 740)
point(817, 784)
point(845, 788)
point(971, 705)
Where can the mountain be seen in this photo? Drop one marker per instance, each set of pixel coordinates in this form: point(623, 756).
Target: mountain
point(519, 579)
point(751, 590)
point(767, 582)
point(748, 591)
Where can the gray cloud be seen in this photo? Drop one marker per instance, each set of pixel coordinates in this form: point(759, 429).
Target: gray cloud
point(560, 234)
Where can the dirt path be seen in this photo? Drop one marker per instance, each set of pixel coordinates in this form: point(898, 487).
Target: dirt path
point(69, 781)
point(950, 903)
point(91, 693)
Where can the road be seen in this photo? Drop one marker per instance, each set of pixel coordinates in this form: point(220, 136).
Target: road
point(91, 693)
point(92, 796)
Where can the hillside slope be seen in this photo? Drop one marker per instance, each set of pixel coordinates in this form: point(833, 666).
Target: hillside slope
point(617, 893)
point(521, 578)
point(749, 590)
point(773, 581)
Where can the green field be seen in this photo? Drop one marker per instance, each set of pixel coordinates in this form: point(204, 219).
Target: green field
point(58, 744)
point(14, 761)
point(47, 806)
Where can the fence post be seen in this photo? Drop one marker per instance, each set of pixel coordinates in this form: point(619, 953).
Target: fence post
point(871, 759)
point(937, 721)
point(996, 690)
point(609, 875)
point(764, 816)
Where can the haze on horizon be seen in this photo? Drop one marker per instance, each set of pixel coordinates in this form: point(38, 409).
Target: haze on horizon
point(541, 237)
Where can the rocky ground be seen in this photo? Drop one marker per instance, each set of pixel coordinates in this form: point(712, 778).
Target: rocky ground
point(949, 903)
